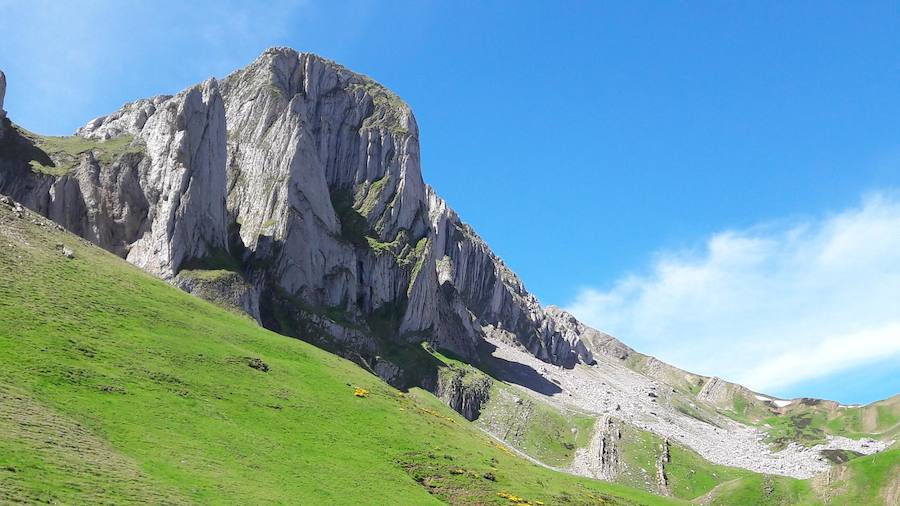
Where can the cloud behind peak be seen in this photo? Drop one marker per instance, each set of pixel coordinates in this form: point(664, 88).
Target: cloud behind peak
point(770, 306)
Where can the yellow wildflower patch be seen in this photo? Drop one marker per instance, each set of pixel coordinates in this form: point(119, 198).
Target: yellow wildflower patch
point(502, 448)
point(513, 498)
point(436, 414)
point(361, 392)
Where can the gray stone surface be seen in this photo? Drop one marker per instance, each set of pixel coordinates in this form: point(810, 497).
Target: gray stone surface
point(225, 288)
point(157, 205)
point(2, 93)
point(2, 112)
point(317, 171)
point(610, 389)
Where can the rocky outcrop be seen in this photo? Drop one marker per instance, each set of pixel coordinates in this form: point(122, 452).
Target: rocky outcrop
point(715, 391)
point(722, 394)
point(3, 121)
point(662, 481)
point(463, 390)
point(600, 459)
point(177, 186)
point(158, 202)
point(306, 177)
point(2, 94)
point(222, 287)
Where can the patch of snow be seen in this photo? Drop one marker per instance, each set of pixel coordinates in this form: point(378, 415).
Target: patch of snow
point(780, 403)
point(762, 398)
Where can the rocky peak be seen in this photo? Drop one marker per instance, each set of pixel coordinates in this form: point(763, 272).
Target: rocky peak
point(2, 93)
point(330, 130)
point(2, 112)
point(304, 178)
point(288, 73)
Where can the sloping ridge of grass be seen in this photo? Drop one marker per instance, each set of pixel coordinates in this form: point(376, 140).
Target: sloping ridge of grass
point(869, 480)
point(156, 396)
point(58, 155)
point(810, 421)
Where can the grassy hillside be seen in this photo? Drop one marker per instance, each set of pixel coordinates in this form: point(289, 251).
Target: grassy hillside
point(542, 431)
point(804, 421)
point(117, 388)
point(553, 434)
point(811, 421)
point(870, 480)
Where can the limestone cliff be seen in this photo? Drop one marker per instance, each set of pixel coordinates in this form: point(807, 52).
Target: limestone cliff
point(3, 126)
point(2, 94)
point(303, 178)
point(152, 191)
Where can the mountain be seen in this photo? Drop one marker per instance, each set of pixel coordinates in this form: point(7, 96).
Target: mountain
point(303, 177)
point(290, 192)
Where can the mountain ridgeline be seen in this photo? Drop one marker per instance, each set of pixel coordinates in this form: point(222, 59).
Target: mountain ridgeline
point(292, 190)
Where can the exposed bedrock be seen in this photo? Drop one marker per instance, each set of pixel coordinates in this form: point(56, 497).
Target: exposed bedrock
point(464, 391)
point(304, 178)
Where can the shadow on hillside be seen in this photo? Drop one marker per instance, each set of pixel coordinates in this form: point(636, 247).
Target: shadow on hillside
point(16, 146)
point(514, 372)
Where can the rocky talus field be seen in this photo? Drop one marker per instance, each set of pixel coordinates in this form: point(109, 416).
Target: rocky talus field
point(246, 293)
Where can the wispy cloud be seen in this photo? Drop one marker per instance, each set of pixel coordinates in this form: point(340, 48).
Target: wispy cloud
point(769, 306)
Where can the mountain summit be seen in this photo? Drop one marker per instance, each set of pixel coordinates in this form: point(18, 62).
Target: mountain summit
point(304, 179)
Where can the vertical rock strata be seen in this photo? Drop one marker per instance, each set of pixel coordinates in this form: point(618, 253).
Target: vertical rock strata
point(463, 391)
point(158, 202)
point(2, 94)
point(304, 178)
point(600, 459)
point(2, 112)
point(662, 481)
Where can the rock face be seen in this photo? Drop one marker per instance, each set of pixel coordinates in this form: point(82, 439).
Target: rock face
point(226, 288)
point(662, 481)
point(157, 205)
point(177, 188)
point(305, 178)
point(464, 392)
point(600, 459)
point(2, 93)
point(721, 393)
point(2, 112)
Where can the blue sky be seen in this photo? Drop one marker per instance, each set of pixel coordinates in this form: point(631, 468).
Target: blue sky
point(603, 150)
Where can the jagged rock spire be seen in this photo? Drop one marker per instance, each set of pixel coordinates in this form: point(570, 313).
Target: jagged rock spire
point(2, 112)
point(2, 93)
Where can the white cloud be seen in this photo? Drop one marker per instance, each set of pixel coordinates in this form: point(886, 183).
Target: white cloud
point(769, 306)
